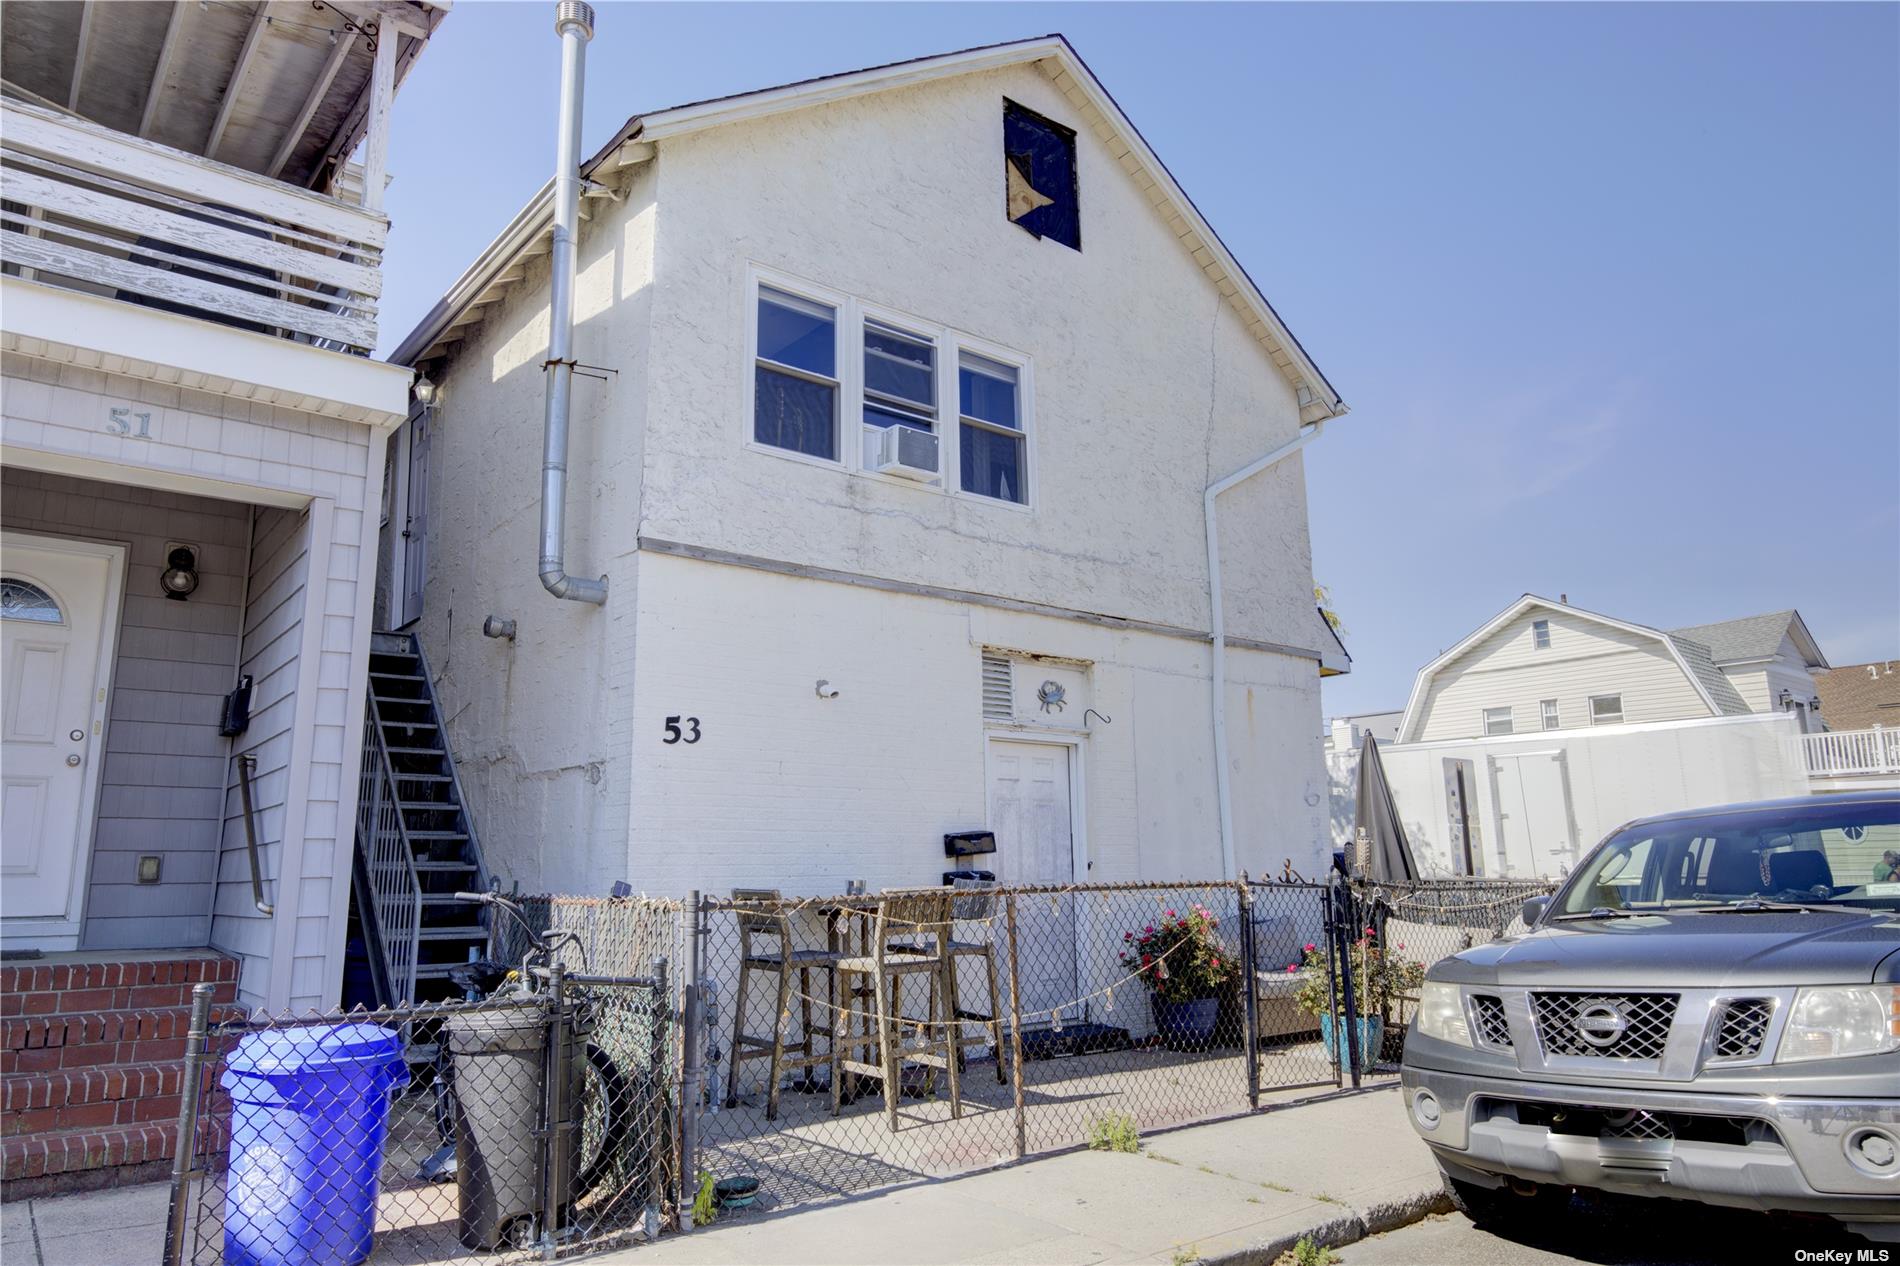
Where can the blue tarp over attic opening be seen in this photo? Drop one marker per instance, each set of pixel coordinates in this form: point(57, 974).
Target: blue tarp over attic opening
point(1039, 175)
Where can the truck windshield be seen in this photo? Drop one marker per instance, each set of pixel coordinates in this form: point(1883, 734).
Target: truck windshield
point(1844, 853)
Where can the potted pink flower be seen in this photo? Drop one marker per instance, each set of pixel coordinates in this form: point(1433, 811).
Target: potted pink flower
point(1182, 961)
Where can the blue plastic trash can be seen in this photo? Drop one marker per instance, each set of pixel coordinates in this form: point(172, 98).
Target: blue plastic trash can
point(309, 1113)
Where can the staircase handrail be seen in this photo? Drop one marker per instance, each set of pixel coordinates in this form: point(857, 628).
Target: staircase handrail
point(402, 975)
point(455, 781)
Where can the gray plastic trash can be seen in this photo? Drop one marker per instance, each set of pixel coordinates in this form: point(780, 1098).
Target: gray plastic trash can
point(498, 1061)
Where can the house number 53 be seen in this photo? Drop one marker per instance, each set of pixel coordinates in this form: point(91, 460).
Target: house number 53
point(675, 735)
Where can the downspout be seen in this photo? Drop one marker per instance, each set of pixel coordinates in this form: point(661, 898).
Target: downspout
point(1224, 793)
point(574, 23)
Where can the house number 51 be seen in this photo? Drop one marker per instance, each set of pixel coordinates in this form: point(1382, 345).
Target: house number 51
point(119, 422)
point(675, 735)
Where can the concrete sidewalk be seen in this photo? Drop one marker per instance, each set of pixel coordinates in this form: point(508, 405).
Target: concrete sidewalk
point(1236, 1193)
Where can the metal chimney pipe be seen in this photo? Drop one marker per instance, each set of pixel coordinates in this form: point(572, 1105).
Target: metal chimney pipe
point(574, 23)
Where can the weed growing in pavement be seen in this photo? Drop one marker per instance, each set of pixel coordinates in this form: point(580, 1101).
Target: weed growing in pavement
point(1114, 1133)
point(1309, 1252)
point(705, 1203)
point(1185, 1255)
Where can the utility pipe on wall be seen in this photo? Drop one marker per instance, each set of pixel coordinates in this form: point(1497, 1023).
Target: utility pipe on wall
point(1223, 790)
point(574, 23)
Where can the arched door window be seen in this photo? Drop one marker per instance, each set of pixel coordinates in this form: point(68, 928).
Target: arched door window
point(24, 600)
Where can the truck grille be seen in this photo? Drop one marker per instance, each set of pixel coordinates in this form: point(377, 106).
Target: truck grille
point(1744, 1023)
point(1630, 1123)
point(1604, 1026)
point(1493, 1029)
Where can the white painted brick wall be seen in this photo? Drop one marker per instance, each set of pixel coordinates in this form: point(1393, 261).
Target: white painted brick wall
point(1147, 388)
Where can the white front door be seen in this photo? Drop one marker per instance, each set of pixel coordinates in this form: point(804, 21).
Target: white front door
point(1030, 812)
point(58, 617)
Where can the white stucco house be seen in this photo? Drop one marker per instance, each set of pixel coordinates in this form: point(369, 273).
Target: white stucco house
point(1549, 725)
point(193, 453)
point(905, 408)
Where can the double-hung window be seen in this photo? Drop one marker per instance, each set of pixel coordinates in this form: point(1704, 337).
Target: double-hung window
point(795, 380)
point(1552, 719)
point(1497, 720)
point(990, 439)
point(900, 383)
point(1540, 635)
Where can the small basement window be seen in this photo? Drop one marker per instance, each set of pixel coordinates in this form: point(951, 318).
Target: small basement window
point(1606, 709)
point(1039, 176)
point(1497, 720)
point(795, 389)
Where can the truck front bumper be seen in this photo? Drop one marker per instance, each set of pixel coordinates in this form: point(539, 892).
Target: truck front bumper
point(1755, 1152)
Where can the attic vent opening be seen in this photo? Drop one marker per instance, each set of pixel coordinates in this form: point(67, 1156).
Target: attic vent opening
point(999, 689)
point(1039, 176)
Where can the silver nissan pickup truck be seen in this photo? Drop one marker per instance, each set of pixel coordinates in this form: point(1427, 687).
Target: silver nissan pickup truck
point(1707, 1009)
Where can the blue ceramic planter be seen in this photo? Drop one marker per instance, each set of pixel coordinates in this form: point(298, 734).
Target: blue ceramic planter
point(1186, 1026)
point(1371, 1033)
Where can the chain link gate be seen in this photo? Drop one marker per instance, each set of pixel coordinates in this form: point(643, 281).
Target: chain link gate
point(525, 1126)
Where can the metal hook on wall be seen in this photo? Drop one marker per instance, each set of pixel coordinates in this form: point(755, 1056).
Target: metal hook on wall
point(1091, 712)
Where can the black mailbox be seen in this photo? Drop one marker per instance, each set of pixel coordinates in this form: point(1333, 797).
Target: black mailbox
point(969, 843)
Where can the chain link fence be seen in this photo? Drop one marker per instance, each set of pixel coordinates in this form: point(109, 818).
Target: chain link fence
point(730, 1055)
point(1410, 926)
point(855, 1041)
point(532, 1121)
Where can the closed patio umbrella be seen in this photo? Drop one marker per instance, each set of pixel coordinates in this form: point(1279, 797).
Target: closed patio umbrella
point(1378, 836)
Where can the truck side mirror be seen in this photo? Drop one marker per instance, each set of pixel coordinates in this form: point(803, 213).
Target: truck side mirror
point(1534, 908)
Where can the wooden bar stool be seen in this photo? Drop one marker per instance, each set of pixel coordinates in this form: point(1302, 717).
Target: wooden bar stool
point(910, 937)
point(761, 917)
point(974, 904)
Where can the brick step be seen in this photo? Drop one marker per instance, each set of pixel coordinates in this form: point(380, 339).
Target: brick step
point(24, 978)
point(95, 999)
point(72, 1151)
point(44, 1044)
point(25, 1093)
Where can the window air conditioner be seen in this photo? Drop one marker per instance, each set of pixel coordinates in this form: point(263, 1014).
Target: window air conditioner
point(903, 450)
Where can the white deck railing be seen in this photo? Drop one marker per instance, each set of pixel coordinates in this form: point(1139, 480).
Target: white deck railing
point(1849, 752)
point(88, 208)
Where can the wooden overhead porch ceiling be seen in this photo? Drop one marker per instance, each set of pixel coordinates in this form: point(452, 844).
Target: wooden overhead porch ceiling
point(281, 88)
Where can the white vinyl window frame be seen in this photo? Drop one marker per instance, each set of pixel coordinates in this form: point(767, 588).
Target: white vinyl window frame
point(1550, 713)
point(949, 344)
point(1540, 635)
point(1606, 716)
point(1496, 717)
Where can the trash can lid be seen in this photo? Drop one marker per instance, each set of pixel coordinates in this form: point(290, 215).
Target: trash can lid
point(276, 1052)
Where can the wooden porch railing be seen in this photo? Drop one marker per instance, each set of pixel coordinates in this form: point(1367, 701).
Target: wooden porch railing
point(87, 208)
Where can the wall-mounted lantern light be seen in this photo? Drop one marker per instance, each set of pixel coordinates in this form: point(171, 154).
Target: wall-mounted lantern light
point(180, 577)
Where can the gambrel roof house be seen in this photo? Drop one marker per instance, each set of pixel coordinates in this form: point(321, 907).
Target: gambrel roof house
point(1549, 724)
point(937, 460)
point(1546, 665)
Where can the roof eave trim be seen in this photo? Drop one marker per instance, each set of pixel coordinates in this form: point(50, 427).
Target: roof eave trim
point(496, 258)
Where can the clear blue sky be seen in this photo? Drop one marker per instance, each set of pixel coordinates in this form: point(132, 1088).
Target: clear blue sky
point(1613, 290)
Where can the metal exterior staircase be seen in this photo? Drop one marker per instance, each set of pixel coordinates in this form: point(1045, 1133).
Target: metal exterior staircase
point(415, 840)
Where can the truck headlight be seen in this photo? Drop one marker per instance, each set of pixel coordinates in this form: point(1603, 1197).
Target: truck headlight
point(1441, 1013)
point(1829, 1021)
